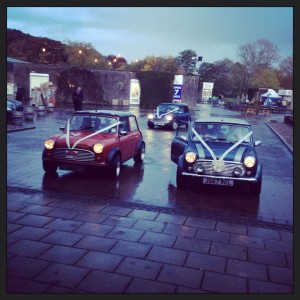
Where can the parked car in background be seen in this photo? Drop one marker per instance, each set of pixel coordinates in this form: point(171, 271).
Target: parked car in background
point(11, 106)
point(170, 115)
point(15, 105)
point(217, 151)
point(95, 139)
point(8, 112)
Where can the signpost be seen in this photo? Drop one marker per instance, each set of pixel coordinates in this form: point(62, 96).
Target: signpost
point(177, 88)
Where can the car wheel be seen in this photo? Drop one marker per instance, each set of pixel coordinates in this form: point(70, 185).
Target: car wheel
point(49, 167)
point(175, 126)
point(115, 167)
point(150, 125)
point(180, 180)
point(255, 188)
point(139, 157)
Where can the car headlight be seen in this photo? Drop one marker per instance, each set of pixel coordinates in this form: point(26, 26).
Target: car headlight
point(150, 116)
point(190, 157)
point(169, 118)
point(49, 144)
point(249, 161)
point(98, 148)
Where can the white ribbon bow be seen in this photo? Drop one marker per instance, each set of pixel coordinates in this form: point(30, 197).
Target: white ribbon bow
point(86, 137)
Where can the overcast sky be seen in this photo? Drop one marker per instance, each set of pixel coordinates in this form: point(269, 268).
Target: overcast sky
point(214, 33)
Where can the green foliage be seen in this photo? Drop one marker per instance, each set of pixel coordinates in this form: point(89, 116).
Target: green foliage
point(29, 48)
point(255, 57)
point(267, 78)
point(84, 55)
point(226, 76)
point(151, 63)
point(187, 61)
point(156, 87)
point(68, 79)
point(285, 73)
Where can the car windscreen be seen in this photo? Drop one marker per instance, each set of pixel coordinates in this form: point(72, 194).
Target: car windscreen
point(93, 123)
point(162, 109)
point(211, 132)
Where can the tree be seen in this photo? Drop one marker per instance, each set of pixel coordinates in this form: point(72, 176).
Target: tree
point(267, 78)
point(187, 61)
point(225, 74)
point(116, 62)
point(256, 57)
point(166, 64)
point(285, 73)
point(81, 54)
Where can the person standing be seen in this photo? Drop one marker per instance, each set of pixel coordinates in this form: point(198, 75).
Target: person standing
point(77, 98)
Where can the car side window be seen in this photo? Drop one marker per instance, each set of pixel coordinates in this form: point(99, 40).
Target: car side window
point(124, 126)
point(133, 123)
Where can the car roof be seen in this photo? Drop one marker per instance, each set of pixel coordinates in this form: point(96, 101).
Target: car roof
point(14, 100)
point(177, 104)
point(105, 112)
point(227, 120)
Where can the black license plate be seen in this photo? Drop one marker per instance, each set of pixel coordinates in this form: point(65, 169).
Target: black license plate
point(218, 181)
point(71, 168)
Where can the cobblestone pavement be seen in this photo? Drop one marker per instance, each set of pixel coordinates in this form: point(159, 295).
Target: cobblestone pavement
point(77, 246)
point(57, 246)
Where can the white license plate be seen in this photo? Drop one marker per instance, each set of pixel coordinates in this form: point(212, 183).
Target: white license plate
point(159, 123)
point(218, 181)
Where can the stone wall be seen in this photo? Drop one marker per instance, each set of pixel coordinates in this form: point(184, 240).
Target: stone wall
point(189, 93)
point(116, 84)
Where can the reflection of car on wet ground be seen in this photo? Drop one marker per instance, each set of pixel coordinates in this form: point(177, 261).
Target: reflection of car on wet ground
point(171, 115)
point(217, 151)
point(95, 139)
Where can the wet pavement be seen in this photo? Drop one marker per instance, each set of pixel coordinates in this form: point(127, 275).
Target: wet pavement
point(81, 234)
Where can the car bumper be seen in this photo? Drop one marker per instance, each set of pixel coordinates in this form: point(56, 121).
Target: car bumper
point(237, 179)
point(75, 165)
point(159, 122)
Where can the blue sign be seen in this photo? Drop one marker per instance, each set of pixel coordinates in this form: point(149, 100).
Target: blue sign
point(177, 91)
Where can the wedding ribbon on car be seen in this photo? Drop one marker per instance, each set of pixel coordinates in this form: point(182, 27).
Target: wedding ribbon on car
point(167, 113)
point(86, 137)
point(219, 163)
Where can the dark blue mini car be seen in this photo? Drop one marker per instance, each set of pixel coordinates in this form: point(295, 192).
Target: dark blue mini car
point(170, 115)
point(217, 151)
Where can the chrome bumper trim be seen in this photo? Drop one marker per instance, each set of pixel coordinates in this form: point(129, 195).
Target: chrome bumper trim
point(252, 179)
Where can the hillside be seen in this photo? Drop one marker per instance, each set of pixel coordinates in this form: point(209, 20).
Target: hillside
point(29, 48)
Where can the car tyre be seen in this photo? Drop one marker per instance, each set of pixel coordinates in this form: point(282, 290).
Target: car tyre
point(175, 125)
point(180, 180)
point(49, 167)
point(139, 157)
point(115, 167)
point(255, 188)
point(150, 125)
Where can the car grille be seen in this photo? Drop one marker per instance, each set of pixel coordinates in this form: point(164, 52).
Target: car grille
point(82, 155)
point(228, 169)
